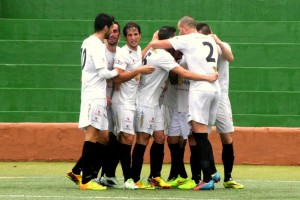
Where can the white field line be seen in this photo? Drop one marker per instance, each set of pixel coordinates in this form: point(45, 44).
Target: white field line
point(92, 197)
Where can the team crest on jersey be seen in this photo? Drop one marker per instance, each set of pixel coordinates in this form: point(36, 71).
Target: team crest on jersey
point(127, 120)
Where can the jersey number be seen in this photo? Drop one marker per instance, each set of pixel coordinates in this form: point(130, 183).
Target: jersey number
point(211, 50)
point(145, 59)
point(83, 57)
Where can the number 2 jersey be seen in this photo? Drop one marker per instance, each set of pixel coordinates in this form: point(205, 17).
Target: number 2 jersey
point(201, 54)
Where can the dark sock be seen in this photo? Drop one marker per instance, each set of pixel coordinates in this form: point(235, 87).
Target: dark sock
point(182, 171)
point(114, 156)
point(125, 158)
point(228, 159)
point(195, 167)
point(156, 159)
point(213, 168)
point(203, 153)
point(174, 151)
point(137, 161)
point(88, 159)
point(100, 158)
point(78, 167)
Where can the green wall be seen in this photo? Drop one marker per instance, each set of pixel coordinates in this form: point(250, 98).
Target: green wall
point(40, 63)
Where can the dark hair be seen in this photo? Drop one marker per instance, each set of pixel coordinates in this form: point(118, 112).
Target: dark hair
point(103, 20)
point(166, 32)
point(204, 27)
point(119, 28)
point(131, 25)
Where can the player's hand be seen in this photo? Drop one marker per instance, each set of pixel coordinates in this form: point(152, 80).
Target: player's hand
point(215, 37)
point(212, 77)
point(146, 69)
point(108, 99)
point(155, 35)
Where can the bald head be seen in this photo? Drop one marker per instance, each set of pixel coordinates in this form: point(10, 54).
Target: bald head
point(187, 21)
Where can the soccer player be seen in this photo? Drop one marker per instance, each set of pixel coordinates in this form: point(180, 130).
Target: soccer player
point(201, 54)
point(149, 120)
point(111, 158)
point(128, 62)
point(93, 118)
point(224, 123)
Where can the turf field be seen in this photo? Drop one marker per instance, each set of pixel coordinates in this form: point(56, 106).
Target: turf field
point(46, 180)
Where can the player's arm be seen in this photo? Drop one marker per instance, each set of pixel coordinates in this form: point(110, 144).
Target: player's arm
point(161, 44)
point(126, 76)
point(194, 76)
point(104, 73)
point(226, 51)
point(145, 50)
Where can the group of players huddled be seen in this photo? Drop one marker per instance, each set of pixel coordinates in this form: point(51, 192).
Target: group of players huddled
point(175, 88)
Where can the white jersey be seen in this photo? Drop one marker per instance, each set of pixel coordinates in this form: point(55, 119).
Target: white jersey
point(110, 57)
point(182, 89)
point(127, 60)
point(92, 58)
point(151, 85)
point(201, 54)
point(223, 69)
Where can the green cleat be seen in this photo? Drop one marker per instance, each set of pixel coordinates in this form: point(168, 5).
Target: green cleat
point(188, 185)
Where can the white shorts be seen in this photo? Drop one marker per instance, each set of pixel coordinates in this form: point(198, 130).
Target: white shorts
point(93, 113)
point(203, 106)
point(179, 125)
point(148, 120)
point(224, 123)
point(123, 119)
point(167, 112)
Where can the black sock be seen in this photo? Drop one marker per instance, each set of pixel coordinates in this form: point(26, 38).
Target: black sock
point(182, 171)
point(213, 168)
point(78, 167)
point(195, 166)
point(174, 152)
point(88, 160)
point(228, 159)
point(137, 161)
point(125, 158)
point(114, 156)
point(100, 159)
point(156, 159)
point(203, 153)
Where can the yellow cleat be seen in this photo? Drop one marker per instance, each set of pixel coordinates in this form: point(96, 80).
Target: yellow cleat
point(177, 181)
point(233, 184)
point(159, 182)
point(188, 185)
point(92, 185)
point(73, 177)
point(141, 184)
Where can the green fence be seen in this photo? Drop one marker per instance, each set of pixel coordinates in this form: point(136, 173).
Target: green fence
point(40, 62)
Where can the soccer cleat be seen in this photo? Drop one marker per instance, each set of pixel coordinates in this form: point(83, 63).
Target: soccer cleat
point(130, 185)
point(108, 181)
point(205, 186)
point(188, 185)
point(141, 184)
point(159, 182)
point(92, 185)
point(216, 177)
point(177, 181)
point(73, 177)
point(233, 184)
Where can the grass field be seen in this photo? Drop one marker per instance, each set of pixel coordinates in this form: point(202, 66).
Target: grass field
point(46, 180)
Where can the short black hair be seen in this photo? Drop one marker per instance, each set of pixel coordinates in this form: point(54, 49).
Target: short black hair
point(166, 32)
point(103, 20)
point(131, 25)
point(204, 27)
point(119, 28)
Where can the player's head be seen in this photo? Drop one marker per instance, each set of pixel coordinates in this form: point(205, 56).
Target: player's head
point(132, 34)
point(166, 32)
point(103, 22)
point(115, 34)
point(203, 28)
point(185, 24)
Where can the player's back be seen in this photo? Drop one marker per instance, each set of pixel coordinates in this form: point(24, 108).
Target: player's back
point(151, 85)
